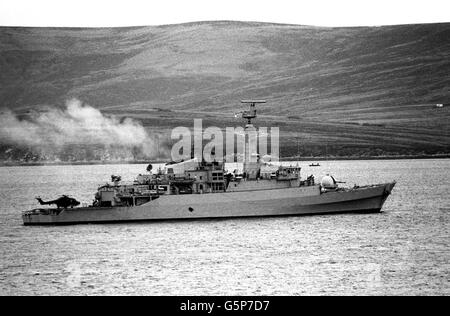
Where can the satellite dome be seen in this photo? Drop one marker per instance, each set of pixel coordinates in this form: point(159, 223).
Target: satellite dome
point(328, 182)
point(266, 158)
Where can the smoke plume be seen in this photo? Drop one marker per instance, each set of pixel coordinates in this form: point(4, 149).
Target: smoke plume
point(78, 127)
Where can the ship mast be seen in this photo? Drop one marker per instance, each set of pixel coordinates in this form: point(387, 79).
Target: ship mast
point(251, 168)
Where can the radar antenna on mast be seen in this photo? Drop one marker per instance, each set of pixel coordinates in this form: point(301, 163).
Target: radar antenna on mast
point(251, 113)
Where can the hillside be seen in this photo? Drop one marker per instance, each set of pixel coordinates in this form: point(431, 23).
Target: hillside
point(341, 91)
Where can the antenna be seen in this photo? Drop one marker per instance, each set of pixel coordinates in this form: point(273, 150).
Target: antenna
point(251, 113)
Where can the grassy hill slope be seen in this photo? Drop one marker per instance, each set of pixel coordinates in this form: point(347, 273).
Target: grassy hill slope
point(367, 90)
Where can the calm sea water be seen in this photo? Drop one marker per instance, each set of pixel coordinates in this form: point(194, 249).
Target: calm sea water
point(404, 250)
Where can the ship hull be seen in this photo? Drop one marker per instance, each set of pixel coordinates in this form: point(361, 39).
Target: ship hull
point(263, 203)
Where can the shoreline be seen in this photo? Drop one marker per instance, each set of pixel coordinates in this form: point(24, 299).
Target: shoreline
point(395, 157)
point(321, 158)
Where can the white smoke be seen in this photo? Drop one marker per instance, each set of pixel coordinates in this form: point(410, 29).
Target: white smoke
point(78, 124)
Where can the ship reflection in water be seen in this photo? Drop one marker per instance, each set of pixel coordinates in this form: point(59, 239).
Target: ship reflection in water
point(404, 250)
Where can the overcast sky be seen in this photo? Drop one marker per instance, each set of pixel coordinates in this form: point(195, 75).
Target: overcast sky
point(103, 13)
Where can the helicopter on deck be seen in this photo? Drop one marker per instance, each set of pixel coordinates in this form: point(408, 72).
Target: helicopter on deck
point(63, 202)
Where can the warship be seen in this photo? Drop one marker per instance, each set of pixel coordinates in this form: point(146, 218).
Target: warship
point(196, 189)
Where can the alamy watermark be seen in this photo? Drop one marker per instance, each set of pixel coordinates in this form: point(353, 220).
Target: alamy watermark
point(232, 144)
